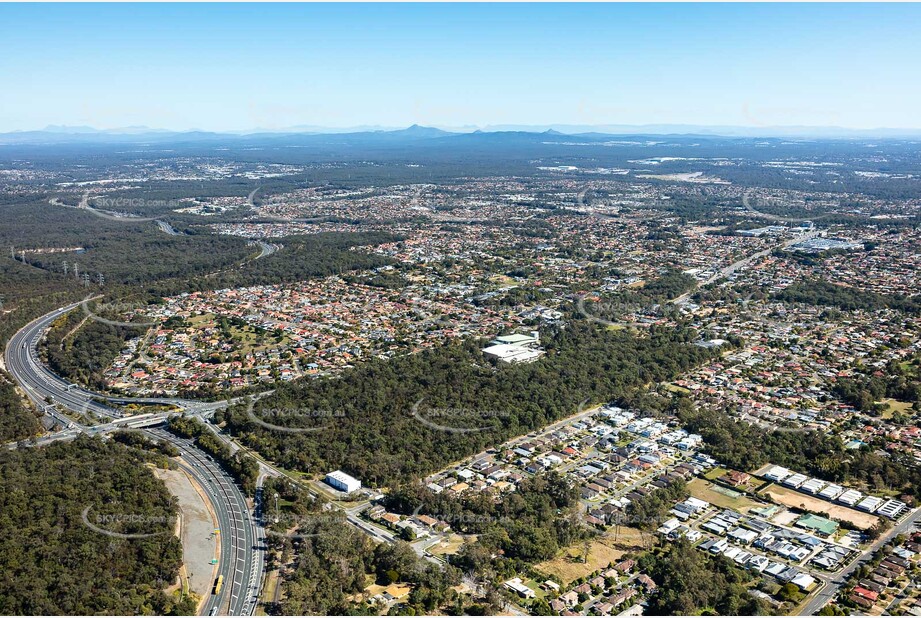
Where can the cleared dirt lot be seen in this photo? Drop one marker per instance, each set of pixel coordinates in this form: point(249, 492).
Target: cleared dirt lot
point(451, 545)
point(198, 543)
point(793, 498)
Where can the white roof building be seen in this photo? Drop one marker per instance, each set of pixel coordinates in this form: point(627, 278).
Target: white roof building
point(777, 473)
point(509, 353)
point(850, 497)
point(804, 581)
point(892, 508)
point(343, 482)
point(870, 504)
point(812, 486)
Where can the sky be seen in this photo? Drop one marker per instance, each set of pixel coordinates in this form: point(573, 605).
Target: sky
point(222, 67)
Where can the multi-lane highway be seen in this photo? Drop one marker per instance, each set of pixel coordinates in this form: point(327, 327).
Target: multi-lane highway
point(48, 390)
point(242, 537)
point(242, 555)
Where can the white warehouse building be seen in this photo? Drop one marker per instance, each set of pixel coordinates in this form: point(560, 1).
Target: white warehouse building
point(343, 482)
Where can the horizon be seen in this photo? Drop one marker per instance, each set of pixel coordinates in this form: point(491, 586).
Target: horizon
point(677, 130)
point(270, 68)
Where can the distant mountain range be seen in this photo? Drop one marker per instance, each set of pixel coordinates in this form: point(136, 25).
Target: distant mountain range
point(55, 134)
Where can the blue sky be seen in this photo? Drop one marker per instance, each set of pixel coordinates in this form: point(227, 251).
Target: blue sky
point(238, 66)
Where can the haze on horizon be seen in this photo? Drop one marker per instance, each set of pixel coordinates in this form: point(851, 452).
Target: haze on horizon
point(241, 67)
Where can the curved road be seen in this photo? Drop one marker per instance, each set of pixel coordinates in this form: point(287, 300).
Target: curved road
point(242, 537)
point(40, 383)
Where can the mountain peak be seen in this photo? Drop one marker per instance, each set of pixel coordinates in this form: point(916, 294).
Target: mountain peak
point(418, 130)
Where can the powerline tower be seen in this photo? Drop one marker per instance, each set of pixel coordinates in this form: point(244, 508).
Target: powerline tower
point(76, 271)
point(86, 280)
point(100, 278)
point(64, 263)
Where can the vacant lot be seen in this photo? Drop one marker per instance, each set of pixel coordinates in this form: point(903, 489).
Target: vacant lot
point(894, 407)
point(568, 566)
point(720, 496)
point(793, 498)
point(199, 545)
point(450, 545)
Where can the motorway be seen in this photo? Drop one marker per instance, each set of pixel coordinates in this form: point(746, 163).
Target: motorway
point(167, 228)
point(242, 538)
point(267, 249)
point(40, 383)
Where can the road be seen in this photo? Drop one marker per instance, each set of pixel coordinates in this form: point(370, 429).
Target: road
point(765, 215)
point(167, 228)
point(267, 249)
point(42, 385)
point(728, 270)
point(242, 546)
point(831, 584)
point(242, 538)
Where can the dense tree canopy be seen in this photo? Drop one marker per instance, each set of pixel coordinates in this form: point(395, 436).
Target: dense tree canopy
point(691, 582)
point(821, 292)
point(54, 563)
point(385, 420)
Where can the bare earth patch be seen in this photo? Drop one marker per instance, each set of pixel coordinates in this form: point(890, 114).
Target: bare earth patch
point(795, 499)
point(198, 543)
point(719, 496)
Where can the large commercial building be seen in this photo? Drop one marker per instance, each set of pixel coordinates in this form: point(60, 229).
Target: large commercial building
point(515, 348)
point(343, 482)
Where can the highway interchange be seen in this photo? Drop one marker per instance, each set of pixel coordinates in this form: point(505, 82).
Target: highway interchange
point(242, 554)
point(242, 536)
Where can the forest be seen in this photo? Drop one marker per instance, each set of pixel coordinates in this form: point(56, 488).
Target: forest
point(410, 415)
point(18, 420)
point(823, 293)
point(747, 447)
point(53, 563)
point(692, 583)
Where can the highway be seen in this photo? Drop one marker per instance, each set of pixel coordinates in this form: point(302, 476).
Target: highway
point(167, 228)
point(728, 270)
point(266, 248)
point(242, 539)
point(242, 556)
point(41, 384)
